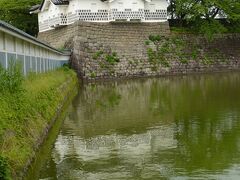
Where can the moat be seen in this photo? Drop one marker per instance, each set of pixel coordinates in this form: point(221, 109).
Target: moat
point(185, 127)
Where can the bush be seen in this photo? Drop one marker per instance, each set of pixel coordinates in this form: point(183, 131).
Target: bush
point(210, 28)
point(66, 67)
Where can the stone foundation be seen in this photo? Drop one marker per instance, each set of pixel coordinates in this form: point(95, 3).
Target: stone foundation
point(106, 50)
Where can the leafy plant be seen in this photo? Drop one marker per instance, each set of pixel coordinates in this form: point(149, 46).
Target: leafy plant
point(66, 67)
point(97, 55)
point(156, 58)
point(147, 42)
point(207, 60)
point(112, 58)
point(93, 75)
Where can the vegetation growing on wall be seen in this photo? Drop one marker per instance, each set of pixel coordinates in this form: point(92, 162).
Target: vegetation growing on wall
point(163, 46)
point(25, 111)
point(106, 60)
point(162, 50)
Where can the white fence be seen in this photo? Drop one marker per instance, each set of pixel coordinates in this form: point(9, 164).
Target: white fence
point(34, 55)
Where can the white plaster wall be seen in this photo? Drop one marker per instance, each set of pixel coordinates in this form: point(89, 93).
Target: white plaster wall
point(27, 48)
point(2, 41)
point(73, 6)
point(156, 5)
point(93, 5)
point(37, 51)
point(20, 46)
point(121, 5)
point(32, 50)
point(42, 16)
point(10, 43)
point(62, 9)
point(53, 11)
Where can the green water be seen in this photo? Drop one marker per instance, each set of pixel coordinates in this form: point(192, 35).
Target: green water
point(162, 128)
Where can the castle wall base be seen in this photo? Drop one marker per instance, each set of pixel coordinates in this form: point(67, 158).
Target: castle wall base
point(116, 50)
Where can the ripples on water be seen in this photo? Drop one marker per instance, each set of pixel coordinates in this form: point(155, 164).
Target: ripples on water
point(162, 128)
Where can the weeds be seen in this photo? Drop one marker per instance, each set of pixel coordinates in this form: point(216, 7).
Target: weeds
point(11, 79)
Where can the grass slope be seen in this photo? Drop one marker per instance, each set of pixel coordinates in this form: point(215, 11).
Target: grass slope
point(25, 114)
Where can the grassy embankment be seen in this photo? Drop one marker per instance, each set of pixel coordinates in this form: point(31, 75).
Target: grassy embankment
point(27, 107)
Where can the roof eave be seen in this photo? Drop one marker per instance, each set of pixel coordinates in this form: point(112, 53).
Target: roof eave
point(35, 12)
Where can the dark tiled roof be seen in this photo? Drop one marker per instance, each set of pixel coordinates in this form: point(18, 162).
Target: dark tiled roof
point(56, 2)
point(60, 2)
point(22, 33)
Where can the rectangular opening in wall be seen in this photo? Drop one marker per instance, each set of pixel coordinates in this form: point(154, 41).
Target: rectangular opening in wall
point(33, 68)
point(38, 65)
point(27, 64)
point(46, 65)
point(3, 59)
point(20, 59)
point(42, 61)
point(2, 41)
point(11, 58)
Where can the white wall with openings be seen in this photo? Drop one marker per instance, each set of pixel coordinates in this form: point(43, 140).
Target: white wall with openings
point(52, 16)
point(33, 55)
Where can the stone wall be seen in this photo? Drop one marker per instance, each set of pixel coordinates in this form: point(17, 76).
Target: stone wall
point(60, 36)
point(115, 50)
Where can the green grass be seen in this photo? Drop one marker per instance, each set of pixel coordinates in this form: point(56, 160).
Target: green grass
point(26, 113)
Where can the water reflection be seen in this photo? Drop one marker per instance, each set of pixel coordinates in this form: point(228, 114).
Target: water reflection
point(178, 127)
